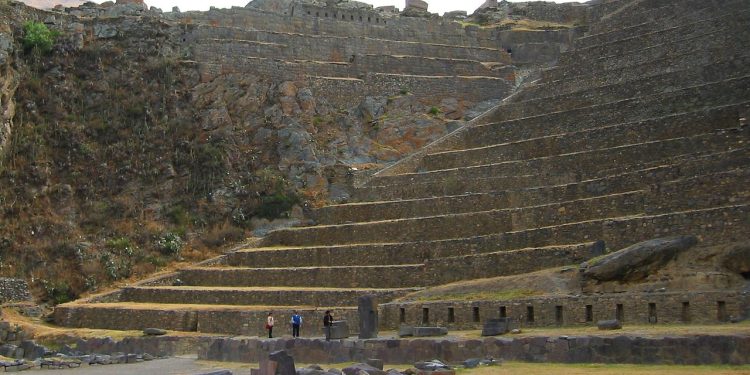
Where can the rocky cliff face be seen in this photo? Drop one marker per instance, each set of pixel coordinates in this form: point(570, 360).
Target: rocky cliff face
point(8, 85)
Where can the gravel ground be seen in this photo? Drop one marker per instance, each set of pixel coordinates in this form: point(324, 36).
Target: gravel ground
point(168, 366)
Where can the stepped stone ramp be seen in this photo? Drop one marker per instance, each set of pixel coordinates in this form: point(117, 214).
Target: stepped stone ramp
point(549, 178)
point(660, 130)
point(521, 187)
point(642, 122)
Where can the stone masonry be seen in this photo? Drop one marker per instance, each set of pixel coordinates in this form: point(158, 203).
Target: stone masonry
point(635, 134)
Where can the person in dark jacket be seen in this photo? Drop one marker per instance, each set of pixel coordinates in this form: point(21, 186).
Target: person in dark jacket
point(327, 323)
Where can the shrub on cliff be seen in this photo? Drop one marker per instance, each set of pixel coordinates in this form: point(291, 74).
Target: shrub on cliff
point(37, 37)
point(170, 244)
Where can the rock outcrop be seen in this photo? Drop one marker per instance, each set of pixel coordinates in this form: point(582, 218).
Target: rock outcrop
point(638, 261)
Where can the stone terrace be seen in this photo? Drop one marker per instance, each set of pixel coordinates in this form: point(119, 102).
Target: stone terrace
point(647, 138)
point(355, 60)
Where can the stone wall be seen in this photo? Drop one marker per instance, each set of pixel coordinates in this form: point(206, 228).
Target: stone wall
point(630, 308)
point(690, 350)
point(346, 91)
point(528, 47)
point(239, 321)
point(14, 290)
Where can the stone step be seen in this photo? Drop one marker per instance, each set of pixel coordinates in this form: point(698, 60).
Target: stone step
point(388, 210)
point(436, 271)
point(699, 192)
point(667, 127)
point(226, 319)
point(341, 48)
point(668, 191)
point(696, 31)
point(512, 262)
point(668, 12)
point(711, 59)
point(299, 296)
point(244, 53)
point(717, 24)
point(696, 163)
point(639, 87)
point(584, 164)
point(689, 99)
point(703, 10)
point(381, 276)
point(722, 39)
point(361, 254)
point(332, 76)
point(488, 248)
point(714, 225)
point(459, 225)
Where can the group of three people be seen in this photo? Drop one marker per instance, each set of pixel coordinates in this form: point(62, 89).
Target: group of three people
point(296, 322)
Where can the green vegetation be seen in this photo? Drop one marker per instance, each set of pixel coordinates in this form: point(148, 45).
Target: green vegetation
point(57, 292)
point(276, 205)
point(434, 111)
point(170, 244)
point(37, 37)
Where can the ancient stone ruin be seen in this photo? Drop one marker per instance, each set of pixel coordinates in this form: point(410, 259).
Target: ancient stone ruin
point(536, 211)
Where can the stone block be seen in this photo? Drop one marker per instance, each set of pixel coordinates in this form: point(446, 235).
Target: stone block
point(609, 324)
point(32, 350)
point(405, 331)
point(285, 362)
point(368, 317)
point(430, 331)
point(377, 363)
point(339, 330)
point(500, 326)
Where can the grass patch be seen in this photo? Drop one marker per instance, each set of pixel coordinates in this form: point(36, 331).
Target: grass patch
point(503, 295)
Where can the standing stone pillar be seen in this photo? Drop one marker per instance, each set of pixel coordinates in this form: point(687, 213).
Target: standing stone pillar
point(368, 317)
point(282, 362)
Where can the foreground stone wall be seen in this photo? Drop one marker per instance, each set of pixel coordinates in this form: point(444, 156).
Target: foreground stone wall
point(629, 308)
point(689, 350)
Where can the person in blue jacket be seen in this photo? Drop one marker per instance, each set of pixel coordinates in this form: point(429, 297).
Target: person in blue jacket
point(296, 323)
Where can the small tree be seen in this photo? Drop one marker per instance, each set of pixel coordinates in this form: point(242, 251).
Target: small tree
point(37, 37)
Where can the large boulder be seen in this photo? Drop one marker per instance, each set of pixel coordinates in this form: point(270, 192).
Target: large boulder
point(638, 261)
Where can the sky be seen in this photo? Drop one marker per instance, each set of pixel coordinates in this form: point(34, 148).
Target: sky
point(435, 6)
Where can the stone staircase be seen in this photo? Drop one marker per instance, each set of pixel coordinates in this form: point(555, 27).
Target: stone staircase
point(637, 134)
